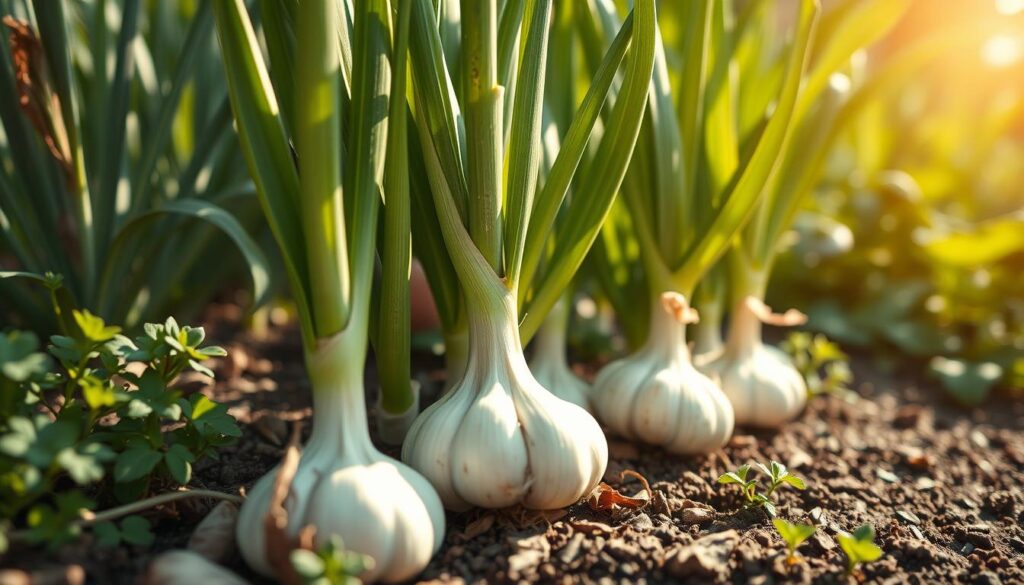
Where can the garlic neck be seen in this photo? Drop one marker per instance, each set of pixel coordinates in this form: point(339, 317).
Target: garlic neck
point(456, 354)
point(667, 334)
point(335, 369)
point(494, 334)
point(744, 324)
point(550, 343)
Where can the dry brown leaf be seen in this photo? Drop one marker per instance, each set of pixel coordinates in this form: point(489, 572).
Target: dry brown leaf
point(277, 545)
point(604, 497)
point(37, 100)
point(764, 314)
point(477, 527)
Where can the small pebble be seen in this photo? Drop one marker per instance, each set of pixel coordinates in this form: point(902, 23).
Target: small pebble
point(908, 516)
point(887, 476)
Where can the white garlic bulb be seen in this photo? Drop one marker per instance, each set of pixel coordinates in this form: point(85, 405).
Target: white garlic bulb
point(657, 396)
point(762, 384)
point(345, 487)
point(498, 437)
point(549, 364)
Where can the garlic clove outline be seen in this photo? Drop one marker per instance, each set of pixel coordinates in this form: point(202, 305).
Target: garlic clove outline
point(498, 437)
point(657, 396)
point(761, 382)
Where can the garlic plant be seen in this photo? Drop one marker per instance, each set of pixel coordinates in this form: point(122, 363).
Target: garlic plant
point(334, 84)
point(764, 386)
point(498, 437)
point(688, 193)
point(549, 363)
point(657, 396)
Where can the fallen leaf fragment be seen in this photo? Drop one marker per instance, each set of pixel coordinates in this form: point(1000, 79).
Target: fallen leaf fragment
point(604, 497)
point(278, 545)
point(478, 527)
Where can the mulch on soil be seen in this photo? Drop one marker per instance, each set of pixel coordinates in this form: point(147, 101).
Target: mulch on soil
point(941, 485)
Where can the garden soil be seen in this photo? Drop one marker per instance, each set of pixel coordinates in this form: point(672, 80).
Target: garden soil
point(943, 487)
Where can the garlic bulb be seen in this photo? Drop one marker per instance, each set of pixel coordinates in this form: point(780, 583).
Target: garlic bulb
point(549, 364)
point(344, 486)
point(762, 384)
point(498, 437)
point(657, 396)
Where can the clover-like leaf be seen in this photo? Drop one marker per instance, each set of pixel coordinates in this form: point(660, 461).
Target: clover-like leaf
point(179, 462)
point(93, 328)
point(136, 463)
point(19, 360)
point(137, 530)
point(794, 481)
point(859, 547)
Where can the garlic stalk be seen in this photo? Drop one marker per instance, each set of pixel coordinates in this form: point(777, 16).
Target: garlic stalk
point(656, 395)
point(549, 363)
point(498, 437)
point(763, 385)
point(326, 228)
point(344, 486)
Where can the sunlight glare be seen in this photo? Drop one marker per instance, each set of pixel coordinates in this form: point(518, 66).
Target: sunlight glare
point(1002, 51)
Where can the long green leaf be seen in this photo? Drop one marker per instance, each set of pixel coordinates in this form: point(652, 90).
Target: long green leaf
point(522, 164)
point(741, 200)
point(584, 216)
point(259, 270)
point(265, 145)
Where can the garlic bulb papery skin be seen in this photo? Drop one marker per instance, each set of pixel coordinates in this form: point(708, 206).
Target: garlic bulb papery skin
point(549, 364)
point(344, 486)
point(498, 438)
point(762, 384)
point(657, 396)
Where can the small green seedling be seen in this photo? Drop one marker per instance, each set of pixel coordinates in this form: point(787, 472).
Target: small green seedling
point(794, 535)
point(776, 472)
point(331, 565)
point(859, 547)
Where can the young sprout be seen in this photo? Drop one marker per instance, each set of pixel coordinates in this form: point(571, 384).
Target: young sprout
point(780, 475)
point(794, 535)
point(859, 547)
point(776, 472)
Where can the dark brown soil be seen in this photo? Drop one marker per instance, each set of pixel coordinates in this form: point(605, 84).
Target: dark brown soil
point(941, 485)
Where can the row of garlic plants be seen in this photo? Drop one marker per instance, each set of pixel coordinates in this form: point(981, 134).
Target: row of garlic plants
point(378, 127)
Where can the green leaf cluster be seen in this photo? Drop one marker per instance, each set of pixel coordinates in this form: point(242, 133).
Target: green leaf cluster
point(98, 413)
point(332, 564)
point(121, 149)
point(824, 367)
point(777, 475)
